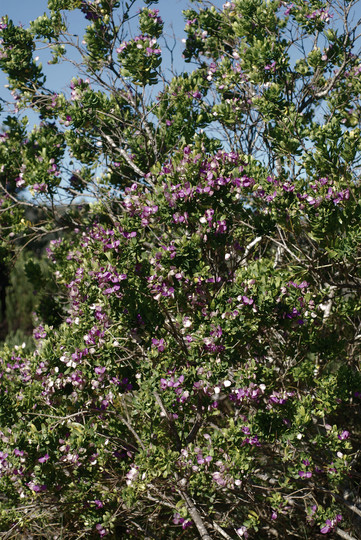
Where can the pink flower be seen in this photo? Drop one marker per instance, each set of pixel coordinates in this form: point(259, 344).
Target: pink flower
point(242, 532)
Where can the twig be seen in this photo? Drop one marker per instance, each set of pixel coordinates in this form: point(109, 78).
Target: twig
point(127, 424)
point(171, 425)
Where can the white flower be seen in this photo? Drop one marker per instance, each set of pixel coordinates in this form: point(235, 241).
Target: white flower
point(131, 475)
point(187, 322)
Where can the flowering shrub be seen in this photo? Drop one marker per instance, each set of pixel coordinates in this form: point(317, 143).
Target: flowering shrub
point(204, 378)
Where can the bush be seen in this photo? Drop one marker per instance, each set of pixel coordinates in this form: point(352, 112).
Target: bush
point(201, 376)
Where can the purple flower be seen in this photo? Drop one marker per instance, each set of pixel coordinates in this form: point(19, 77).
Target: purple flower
point(221, 226)
point(330, 524)
point(160, 344)
point(177, 519)
point(101, 530)
point(242, 532)
point(305, 474)
point(218, 478)
point(149, 51)
point(344, 435)
point(270, 67)
point(36, 487)
point(40, 187)
point(44, 459)
point(122, 47)
point(327, 528)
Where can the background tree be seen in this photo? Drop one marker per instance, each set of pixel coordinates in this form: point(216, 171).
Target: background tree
point(202, 377)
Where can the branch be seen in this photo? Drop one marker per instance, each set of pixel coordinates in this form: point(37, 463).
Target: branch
point(193, 433)
point(353, 508)
point(350, 506)
point(192, 509)
point(250, 246)
point(147, 534)
point(326, 307)
point(17, 201)
point(220, 531)
point(163, 502)
point(171, 425)
point(123, 153)
point(197, 424)
point(344, 534)
point(325, 91)
point(132, 431)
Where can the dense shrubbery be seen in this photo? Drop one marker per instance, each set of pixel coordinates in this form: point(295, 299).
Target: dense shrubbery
point(197, 374)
